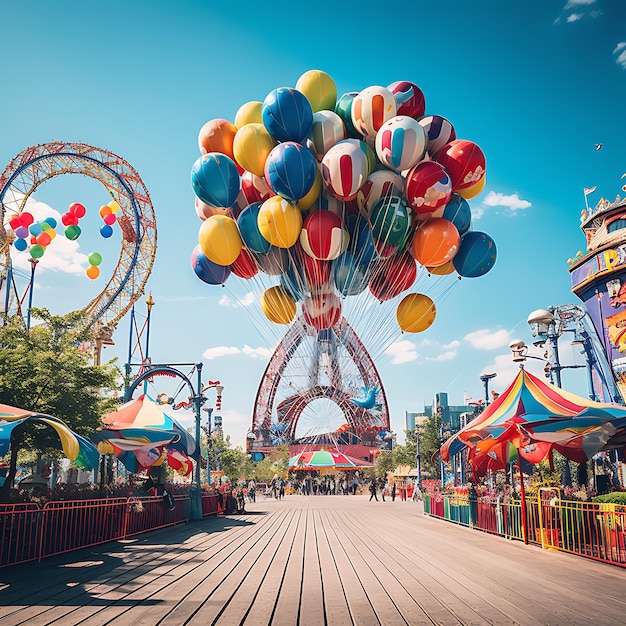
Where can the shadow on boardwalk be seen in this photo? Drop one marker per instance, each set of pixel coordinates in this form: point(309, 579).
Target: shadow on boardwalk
point(314, 560)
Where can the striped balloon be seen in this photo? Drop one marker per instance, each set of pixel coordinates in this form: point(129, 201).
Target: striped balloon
point(327, 130)
point(439, 132)
point(400, 143)
point(378, 184)
point(371, 108)
point(345, 168)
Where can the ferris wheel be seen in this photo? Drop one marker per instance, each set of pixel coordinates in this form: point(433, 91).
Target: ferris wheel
point(135, 217)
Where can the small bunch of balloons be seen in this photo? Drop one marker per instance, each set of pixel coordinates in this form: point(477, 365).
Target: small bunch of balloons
point(93, 271)
point(70, 219)
point(108, 213)
point(41, 233)
point(336, 196)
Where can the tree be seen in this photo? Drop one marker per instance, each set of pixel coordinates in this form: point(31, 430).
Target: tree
point(44, 370)
point(429, 446)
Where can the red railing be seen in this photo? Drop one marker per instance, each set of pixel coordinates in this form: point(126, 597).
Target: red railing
point(30, 533)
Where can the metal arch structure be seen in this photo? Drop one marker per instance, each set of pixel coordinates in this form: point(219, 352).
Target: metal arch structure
point(40, 163)
point(362, 421)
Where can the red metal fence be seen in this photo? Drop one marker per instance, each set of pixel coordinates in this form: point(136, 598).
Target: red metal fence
point(589, 529)
point(30, 533)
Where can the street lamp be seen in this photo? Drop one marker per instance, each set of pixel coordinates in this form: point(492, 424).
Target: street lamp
point(485, 378)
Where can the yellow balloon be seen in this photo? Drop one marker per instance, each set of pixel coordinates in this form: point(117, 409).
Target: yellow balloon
point(442, 270)
point(474, 190)
point(115, 207)
point(311, 198)
point(219, 239)
point(280, 222)
point(416, 313)
point(249, 113)
point(319, 88)
point(251, 146)
point(279, 307)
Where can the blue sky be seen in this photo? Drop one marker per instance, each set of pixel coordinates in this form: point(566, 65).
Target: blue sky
point(536, 85)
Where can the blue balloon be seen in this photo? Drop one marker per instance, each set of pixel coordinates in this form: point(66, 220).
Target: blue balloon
point(20, 244)
point(351, 277)
point(106, 231)
point(362, 243)
point(248, 225)
point(290, 170)
point(292, 281)
point(206, 270)
point(476, 256)
point(287, 115)
point(35, 229)
point(215, 180)
point(459, 213)
point(51, 221)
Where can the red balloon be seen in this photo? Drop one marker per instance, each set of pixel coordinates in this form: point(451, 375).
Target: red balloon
point(109, 219)
point(27, 219)
point(393, 276)
point(322, 310)
point(464, 161)
point(322, 235)
point(15, 222)
point(43, 239)
point(244, 265)
point(69, 219)
point(409, 97)
point(254, 188)
point(316, 272)
point(77, 209)
point(428, 188)
point(436, 242)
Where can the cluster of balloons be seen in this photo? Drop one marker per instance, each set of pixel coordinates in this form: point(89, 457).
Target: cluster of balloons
point(336, 196)
point(39, 234)
point(93, 271)
point(108, 213)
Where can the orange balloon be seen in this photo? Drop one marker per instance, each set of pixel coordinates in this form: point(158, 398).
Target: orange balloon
point(93, 272)
point(217, 136)
point(442, 270)
point(436, 242)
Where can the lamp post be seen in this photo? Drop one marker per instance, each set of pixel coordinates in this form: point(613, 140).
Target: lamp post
point(418, 457)
point(196, 399)
point(485, 378)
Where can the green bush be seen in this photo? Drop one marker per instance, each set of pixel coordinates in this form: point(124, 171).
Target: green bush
point(615, 497)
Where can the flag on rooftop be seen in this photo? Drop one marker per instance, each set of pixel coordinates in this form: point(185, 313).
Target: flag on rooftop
point(588, 190)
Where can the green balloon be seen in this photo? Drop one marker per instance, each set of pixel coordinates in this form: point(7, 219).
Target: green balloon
point(72, 232)
point(94, 258)
point(36, 251)
point(390, 220)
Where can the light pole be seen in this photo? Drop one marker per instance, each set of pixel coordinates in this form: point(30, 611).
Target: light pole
point(196, 399)
point(418, 457)
point(485, 378)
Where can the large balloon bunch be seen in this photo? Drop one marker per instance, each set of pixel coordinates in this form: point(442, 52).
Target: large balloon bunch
point(336, 196)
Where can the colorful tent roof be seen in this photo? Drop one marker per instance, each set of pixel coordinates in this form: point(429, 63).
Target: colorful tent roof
point(140, 432)
point(320, 459)
point(535, 417)
point(75, 447)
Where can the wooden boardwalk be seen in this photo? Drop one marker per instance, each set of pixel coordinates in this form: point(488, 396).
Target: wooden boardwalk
point(314, 560)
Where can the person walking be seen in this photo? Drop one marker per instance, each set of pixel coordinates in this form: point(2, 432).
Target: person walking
point(373, 488)
point(252, 490)
point(393, 491)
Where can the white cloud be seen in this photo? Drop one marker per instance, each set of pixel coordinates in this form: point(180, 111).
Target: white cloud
point(488, 340)
point(620, 54)
point(246, 301)
point(452, 345)
point(254, 353)
point(219, 351)
point(574, 17)
point(513, 201)
point(578, 3)
point(444, 356)
point(402, 352)
point(258, 353)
